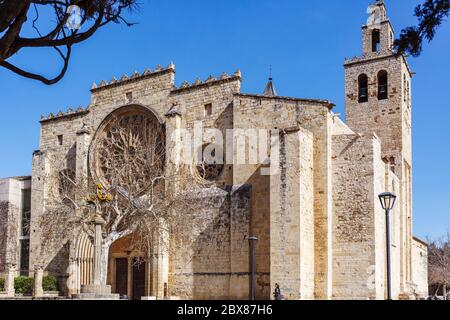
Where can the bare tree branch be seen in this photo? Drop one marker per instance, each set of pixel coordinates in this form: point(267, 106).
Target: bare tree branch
point(439, 262)
point(94, 15)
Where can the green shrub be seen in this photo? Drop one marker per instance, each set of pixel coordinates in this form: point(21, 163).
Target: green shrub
point(50, 283)
point(2, 284)
point(23, 285)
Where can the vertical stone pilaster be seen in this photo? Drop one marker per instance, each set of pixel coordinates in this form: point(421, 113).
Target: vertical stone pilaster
point(98, 222)
point(38, 195)
point(72, 279)
point(319, 123)
point(173, 148)
point(83, 141)
point(239, 232)
point(292, 218)
point(158, 277)
point(153, 275)
point(9, 280)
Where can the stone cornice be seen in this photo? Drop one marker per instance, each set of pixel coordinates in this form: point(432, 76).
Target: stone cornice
point(382, 22)
point(362, 60)
point(420, 241)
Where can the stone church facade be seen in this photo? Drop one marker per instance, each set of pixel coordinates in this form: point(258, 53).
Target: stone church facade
point(317, 217)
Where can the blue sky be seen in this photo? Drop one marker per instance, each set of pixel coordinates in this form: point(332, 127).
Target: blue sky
point(305, 41)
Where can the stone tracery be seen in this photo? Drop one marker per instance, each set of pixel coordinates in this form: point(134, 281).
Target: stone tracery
point(128, 149)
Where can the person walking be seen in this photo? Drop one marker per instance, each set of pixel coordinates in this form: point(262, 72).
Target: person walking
point(277, 292)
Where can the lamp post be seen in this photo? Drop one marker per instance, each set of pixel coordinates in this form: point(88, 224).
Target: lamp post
point(387, 200)
point(251, 244)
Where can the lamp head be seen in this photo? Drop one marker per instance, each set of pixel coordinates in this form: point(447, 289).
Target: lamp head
point(387, 200)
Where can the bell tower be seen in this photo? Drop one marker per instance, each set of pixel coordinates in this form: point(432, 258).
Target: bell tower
point(377, 33)
point(378, 100)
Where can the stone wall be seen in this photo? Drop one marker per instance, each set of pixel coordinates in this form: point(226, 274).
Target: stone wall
point(384, 117)
point(332, 245)
point(386, 39)
point(268, 113)
point(420, 267)
point(209, 257)
point(218, 229)
point(191, 102)
point(354, 171)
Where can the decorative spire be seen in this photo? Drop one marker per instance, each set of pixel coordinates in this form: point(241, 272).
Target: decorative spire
point(270, 89)
point(210, 79)
point(171, 66)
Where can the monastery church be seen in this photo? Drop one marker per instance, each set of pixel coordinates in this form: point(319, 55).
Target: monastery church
point(320, 228)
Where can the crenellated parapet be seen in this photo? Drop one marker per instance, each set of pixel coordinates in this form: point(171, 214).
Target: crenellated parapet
point(136, 76)
point(80, 111)
point(210, 81)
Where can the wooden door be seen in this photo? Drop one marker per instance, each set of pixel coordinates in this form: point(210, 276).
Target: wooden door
point(122, 276)
point(138, 280)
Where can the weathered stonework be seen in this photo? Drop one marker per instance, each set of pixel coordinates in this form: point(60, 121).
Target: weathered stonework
point(14, 202)
point(320, 227)
point(420, 270)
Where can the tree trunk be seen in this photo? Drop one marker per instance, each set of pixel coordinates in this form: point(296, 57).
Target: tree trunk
point(444, 290)
point(104, 259)
point(437, 290)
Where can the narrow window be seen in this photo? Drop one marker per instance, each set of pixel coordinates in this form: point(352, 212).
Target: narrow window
point(404, 88)
point(60, 140)
point(363, 92)
point(129, 96)
point(208, 109)
point(392, 164)
point(382, 85)
point(376, 40)
point(408, 92)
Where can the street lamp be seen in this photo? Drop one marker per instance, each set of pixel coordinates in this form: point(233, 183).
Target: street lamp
point(251, 244)
point(387, 200)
